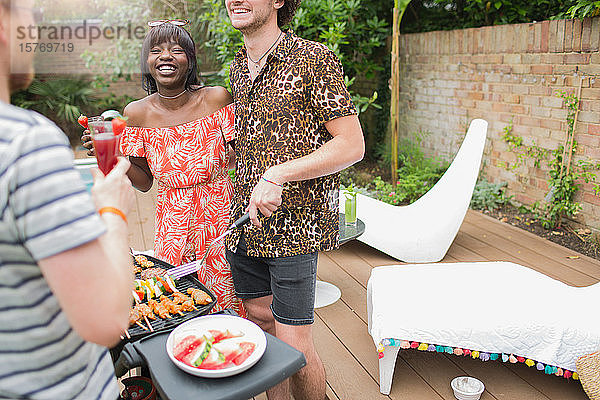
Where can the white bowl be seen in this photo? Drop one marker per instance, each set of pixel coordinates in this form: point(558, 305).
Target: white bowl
point(474, 393)
point(199, 326)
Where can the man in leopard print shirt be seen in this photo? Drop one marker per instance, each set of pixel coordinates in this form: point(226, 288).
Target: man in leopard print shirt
point(296, 129)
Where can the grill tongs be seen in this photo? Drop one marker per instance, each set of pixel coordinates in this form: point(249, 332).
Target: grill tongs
point(191, 267)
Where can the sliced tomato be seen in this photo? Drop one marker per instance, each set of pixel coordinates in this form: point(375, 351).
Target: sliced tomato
point(139, 295)
point(165, 285)
point(247, 350)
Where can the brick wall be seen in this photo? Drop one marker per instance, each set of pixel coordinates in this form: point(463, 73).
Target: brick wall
point(502, 74)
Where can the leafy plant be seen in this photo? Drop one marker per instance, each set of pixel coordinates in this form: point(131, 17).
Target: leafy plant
point(60, 99)
point(489, 196)
point(427, 15)
point(416, 175)
point(565, 173)
point(523, 152)
point(584, 8)
point(64, 100)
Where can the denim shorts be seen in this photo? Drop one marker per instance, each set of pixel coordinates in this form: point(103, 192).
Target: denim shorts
point(291, 281)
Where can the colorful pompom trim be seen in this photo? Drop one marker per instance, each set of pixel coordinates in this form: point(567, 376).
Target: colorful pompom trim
point(475, 354)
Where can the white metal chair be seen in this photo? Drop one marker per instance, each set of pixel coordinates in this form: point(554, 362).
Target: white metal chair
point(488, 310)
point(424, 230)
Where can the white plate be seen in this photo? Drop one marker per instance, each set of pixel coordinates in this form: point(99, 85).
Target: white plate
point(199, 326)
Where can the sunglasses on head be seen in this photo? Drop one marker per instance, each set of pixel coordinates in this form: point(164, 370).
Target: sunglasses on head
point(176, 22)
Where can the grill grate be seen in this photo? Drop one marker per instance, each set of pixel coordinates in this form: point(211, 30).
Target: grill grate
point(159, 324)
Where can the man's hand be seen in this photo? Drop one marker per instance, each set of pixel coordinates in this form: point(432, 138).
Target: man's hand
point(266, 198)
point(114, 189)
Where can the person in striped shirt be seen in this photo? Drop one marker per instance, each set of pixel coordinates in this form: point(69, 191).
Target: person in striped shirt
point(65, 272)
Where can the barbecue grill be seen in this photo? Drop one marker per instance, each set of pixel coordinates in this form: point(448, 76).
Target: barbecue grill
point(160, 324)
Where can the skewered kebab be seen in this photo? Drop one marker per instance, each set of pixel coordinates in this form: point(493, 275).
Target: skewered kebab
point(188, 305)
point(159, 309)
point(143, 261)
point(152, 273)
point(179, 298)
point(145, 310)
point(134, 318)
point(200, 296)
point(169, 305)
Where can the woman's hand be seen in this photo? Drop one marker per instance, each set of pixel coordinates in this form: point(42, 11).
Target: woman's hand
point(86, 141)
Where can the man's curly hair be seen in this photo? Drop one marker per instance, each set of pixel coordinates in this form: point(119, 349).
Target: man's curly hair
point(286, 12)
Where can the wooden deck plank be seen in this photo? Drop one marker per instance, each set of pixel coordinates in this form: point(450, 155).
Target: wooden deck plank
point(353, 293)
point(498, 380)
point(353, 265)
point(350, 330)
point(584, 264)
point(464, 254)
point(552, 386)
point(437, 370)
point(135, 238)
point(330, 393)
point(530, 258)
point(345, 374)
point(147, 206)
point(372, 256)
point(477, 242)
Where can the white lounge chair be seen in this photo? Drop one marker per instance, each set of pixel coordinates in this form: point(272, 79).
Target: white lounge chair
point(488, 310)
point(424, 230)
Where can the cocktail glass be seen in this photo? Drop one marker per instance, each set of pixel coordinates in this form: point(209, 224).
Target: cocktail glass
point(106, 143)
point(350, 207)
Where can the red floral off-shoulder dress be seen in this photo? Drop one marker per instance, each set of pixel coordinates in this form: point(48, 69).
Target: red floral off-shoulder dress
point(190, 163)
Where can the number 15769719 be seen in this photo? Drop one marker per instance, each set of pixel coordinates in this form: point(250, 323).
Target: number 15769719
point(37, 47)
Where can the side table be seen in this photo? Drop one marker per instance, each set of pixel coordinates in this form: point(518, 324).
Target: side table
point(327, 293)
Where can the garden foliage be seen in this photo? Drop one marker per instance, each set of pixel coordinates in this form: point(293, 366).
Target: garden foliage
point(489, 196)
point(350, 28)
point(416, 175)
point(566, 174)
point(427, 15)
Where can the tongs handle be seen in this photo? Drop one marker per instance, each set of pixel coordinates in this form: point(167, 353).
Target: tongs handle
point(243, 220)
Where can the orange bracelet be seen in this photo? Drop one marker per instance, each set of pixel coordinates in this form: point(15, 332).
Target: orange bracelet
point(114, 211)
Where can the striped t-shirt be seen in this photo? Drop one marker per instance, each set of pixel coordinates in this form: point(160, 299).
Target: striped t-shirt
point(44, 210)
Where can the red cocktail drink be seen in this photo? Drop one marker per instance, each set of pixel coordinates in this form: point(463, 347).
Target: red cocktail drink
point(106, 144)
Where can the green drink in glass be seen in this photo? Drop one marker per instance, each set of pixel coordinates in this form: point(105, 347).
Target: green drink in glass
point(350, 206)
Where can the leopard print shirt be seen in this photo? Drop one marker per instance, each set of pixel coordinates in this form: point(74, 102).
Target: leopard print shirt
point(280, 117)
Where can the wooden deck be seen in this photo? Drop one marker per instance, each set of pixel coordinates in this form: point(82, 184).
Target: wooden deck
point(348, 351)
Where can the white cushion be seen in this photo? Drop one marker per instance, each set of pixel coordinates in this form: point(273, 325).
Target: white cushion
point(492, 307)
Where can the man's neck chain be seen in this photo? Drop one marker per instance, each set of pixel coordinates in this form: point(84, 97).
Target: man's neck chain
point(257, 62)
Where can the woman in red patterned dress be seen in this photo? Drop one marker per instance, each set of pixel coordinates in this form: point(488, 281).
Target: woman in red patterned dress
point(181, 135)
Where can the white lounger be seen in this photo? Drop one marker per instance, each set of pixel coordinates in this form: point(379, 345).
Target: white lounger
point(487, 310)
point(424, 230)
